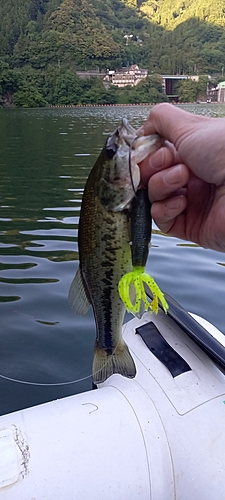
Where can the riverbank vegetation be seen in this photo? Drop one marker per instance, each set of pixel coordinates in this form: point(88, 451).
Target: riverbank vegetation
point(43, 43)
point(29, 87)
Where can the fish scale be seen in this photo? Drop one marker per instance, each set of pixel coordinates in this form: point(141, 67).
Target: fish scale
point(104, 246)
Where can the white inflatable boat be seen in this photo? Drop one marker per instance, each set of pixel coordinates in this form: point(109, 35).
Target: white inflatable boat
point(160, 436)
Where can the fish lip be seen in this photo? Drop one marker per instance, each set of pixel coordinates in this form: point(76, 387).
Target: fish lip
point(129, 135)
point(125, 134)
point(125, 129)
point(155, 139)
point(131, 130)
point(121, 175)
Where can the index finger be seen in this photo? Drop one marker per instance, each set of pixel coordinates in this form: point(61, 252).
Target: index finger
point(161, 159)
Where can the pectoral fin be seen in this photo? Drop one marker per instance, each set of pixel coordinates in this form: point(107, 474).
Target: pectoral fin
point(77, 295)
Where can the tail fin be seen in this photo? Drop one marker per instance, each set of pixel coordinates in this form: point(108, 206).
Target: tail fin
point(120, 361)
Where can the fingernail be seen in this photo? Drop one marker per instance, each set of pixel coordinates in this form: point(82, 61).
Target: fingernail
point(156, 160)
point(173, 176)
point(141, 131)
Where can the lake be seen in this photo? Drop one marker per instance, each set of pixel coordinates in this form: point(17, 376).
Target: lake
point(46, 154)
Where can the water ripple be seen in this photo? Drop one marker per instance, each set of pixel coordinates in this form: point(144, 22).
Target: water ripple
point(43, 173)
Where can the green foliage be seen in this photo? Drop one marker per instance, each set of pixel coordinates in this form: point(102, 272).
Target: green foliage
point(171, 13)
point(28, 87)
point(191, 90)
point(178, 37)
point(67, 88)
point(187, 91)
point(72, 34)
point(202, 87)
point(54, 38)
point(8, 83)
point(13, 19)
point(28, 97)
point(148, 90)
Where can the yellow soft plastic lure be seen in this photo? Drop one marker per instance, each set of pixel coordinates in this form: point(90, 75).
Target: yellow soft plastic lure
point(134, 281)
point(137, 278)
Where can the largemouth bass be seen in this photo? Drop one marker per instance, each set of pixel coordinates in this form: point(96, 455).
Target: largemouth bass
point(104, 245)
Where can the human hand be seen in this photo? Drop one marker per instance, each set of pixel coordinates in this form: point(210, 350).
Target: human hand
point(186, 177)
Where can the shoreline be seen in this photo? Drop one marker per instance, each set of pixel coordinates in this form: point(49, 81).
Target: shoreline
point(118, 105)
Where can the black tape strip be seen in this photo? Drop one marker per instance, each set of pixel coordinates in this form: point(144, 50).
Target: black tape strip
point(203, 338)
point(162, 350)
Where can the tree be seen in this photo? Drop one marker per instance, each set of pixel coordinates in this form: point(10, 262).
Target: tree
point(202, 87)
point(54, 36)
point(148, 90)
point(28, 97)
point(68, 88)
point(8, 83)
point(187, 90)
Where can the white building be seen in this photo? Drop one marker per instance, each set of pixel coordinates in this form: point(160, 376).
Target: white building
point(131, 77)
point(221, 92)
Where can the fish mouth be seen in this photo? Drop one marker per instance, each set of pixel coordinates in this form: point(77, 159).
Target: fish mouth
point(124, 151)
point(145, 145)
point(139, 147)
point(127, 131)
point(125, 138)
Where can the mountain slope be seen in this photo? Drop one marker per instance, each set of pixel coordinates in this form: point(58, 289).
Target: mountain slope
point(170, 13)
point(165, 36)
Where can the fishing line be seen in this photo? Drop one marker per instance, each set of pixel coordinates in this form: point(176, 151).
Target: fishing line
point(44, 384)
point(130, 169)
point(58, 384)
point(55, 384)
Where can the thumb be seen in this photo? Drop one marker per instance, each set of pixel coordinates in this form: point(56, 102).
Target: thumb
point(170, 122)
point(197, 139)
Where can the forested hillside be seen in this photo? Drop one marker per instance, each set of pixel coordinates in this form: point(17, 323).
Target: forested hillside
point(168, 36)
point(42, 40)
point(170, 13)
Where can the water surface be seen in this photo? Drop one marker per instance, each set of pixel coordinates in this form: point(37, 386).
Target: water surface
point(46, 156)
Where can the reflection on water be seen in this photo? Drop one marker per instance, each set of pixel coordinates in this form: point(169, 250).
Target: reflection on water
point(46, 156)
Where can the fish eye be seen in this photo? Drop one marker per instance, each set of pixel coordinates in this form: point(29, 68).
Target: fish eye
point(111, 150)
